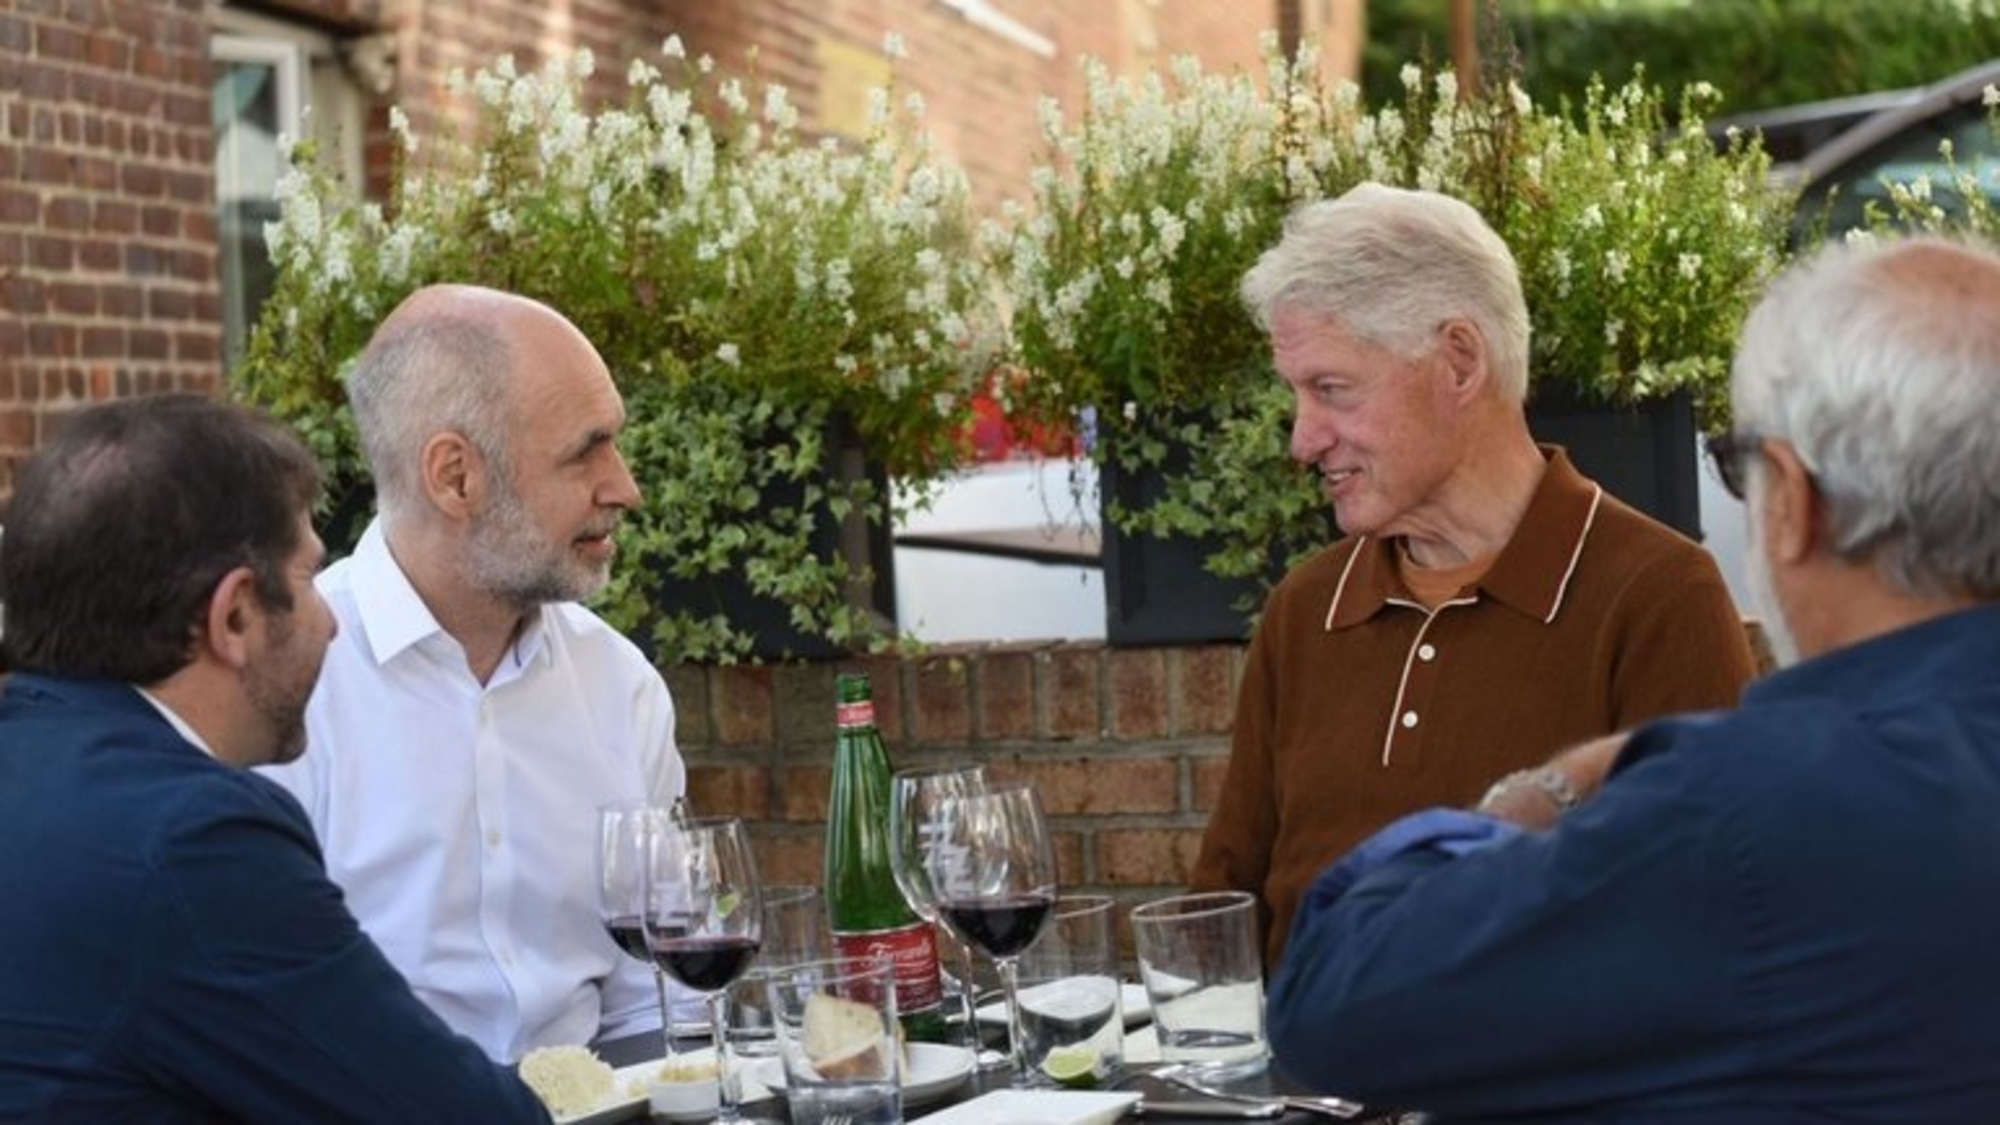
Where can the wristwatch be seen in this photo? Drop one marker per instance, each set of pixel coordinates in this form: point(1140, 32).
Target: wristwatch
point(1550, 781)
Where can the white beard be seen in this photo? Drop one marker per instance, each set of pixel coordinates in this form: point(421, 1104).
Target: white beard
point(1764, 592)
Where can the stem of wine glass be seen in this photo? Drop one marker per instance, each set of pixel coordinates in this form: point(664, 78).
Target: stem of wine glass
point(1016, 1049)
point(725, 1080)
point(666, 1015)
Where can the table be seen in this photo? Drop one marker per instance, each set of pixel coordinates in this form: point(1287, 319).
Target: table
point(639, 1048)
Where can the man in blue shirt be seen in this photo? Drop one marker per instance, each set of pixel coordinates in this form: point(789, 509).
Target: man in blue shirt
point(174, 951)
point(1785, 913)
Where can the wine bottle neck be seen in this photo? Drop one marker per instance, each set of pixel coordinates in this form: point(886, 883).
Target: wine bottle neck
point(849, 716)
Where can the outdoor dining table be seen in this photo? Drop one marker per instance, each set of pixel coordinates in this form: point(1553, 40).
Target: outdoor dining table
point(633, 1049)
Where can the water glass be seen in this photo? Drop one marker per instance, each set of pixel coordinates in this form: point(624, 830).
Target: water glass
point(839, 1041)
point(1072, 1021)
point(1199, 957)
point(794, 933)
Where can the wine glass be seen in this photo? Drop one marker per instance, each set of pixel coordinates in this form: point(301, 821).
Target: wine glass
point(704, 920)
point(622, 830)
point(994, 873)
point(914, 796)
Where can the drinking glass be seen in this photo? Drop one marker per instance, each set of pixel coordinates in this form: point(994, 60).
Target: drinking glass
point(1204, 974)
point(704, 920)
point(994, 873)
point(622, 831)
point(914, 796)
point(794, 933)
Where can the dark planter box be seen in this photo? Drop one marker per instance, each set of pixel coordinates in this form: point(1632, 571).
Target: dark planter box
point(768, 620)
point(1645, 455)
point(1157, 592)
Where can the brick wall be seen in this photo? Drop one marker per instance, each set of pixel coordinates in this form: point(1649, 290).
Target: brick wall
point(108, 241)
point(1125, 746)
point(107, 210)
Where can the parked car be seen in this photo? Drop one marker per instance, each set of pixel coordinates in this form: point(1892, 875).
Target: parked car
point(1841, 154)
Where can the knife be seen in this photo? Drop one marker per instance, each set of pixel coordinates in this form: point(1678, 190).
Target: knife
point(1216, 1109)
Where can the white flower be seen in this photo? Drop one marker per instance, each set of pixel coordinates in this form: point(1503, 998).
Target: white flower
point(727, 353)
point(399, 128)
point(1690, 266)
point(893, 47)
point(672, 48)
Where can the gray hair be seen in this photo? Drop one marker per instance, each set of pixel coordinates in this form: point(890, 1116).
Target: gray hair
point(1391, 265)
point(434, 365)
point(1880, 364)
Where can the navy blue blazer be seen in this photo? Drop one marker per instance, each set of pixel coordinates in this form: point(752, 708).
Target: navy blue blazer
point(171, 949)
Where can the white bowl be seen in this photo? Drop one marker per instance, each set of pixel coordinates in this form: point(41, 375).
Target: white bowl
point(694, 1100)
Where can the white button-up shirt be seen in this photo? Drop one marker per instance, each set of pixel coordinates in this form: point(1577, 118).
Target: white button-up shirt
point(461, 818)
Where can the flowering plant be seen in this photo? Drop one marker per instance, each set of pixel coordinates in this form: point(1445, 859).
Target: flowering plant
point(755, 295)
point(1640, 247)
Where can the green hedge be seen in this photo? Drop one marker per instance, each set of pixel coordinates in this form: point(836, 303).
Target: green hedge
point(1759, 53)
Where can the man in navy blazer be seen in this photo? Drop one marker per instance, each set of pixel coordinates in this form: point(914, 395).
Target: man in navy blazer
point(173, 950)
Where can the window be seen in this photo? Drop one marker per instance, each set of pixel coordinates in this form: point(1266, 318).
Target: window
point(273, 81)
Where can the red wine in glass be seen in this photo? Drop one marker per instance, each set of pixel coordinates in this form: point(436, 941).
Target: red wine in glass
point(705, 964)
point(628, 932)
point(1001, 926)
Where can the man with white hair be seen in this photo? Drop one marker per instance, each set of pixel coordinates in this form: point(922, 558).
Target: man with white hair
point(1783, 913)
point(471, 719)
point(1490, 604)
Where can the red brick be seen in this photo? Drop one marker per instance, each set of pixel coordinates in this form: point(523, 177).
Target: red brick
point(1147, 856)
point(742, 701)
point(1072, 857)
point(795, 855)
point(1085, 786)
point(168, 304)
point(1201, 690)
point(1004, 685)
point(17, 428)
point(99, 257)
point(687, 684)
point(148, 343)
point(67, 213)
point(943, 701)
point(54, 255)
point(1069, 684)
point(1138, 693)
point(72, 299)
point(805, 709)
point(801, 792)
point(1207, 782)
point(730, 790)
point(113, 216)
point(885, 686)
point(17, 206)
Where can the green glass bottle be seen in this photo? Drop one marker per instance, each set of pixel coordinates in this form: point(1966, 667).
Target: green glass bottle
point(869, 915)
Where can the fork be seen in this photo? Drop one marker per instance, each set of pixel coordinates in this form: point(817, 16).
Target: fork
point(1337, 1108)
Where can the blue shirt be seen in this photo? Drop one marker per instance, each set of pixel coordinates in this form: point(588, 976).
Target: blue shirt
point(1785, 913)
point(174, 952)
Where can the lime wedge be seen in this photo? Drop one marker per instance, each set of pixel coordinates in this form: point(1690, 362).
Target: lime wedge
point(1074, 1065)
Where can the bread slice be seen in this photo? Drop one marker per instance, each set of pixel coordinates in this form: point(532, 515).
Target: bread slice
point(844, 1038)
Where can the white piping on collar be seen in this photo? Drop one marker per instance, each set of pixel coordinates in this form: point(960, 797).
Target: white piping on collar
point(1341, 588)
point(1576, 552)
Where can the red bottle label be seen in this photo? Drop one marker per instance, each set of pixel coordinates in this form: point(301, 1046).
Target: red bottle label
point(913, 950)
point(847, 715)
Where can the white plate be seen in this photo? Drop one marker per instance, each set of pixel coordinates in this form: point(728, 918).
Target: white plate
point(1039, 1107)
point(627, 1100)
point(1132, 1001)
point(934, 1070)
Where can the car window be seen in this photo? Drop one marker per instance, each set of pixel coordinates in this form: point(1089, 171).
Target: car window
point(1841, 195)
